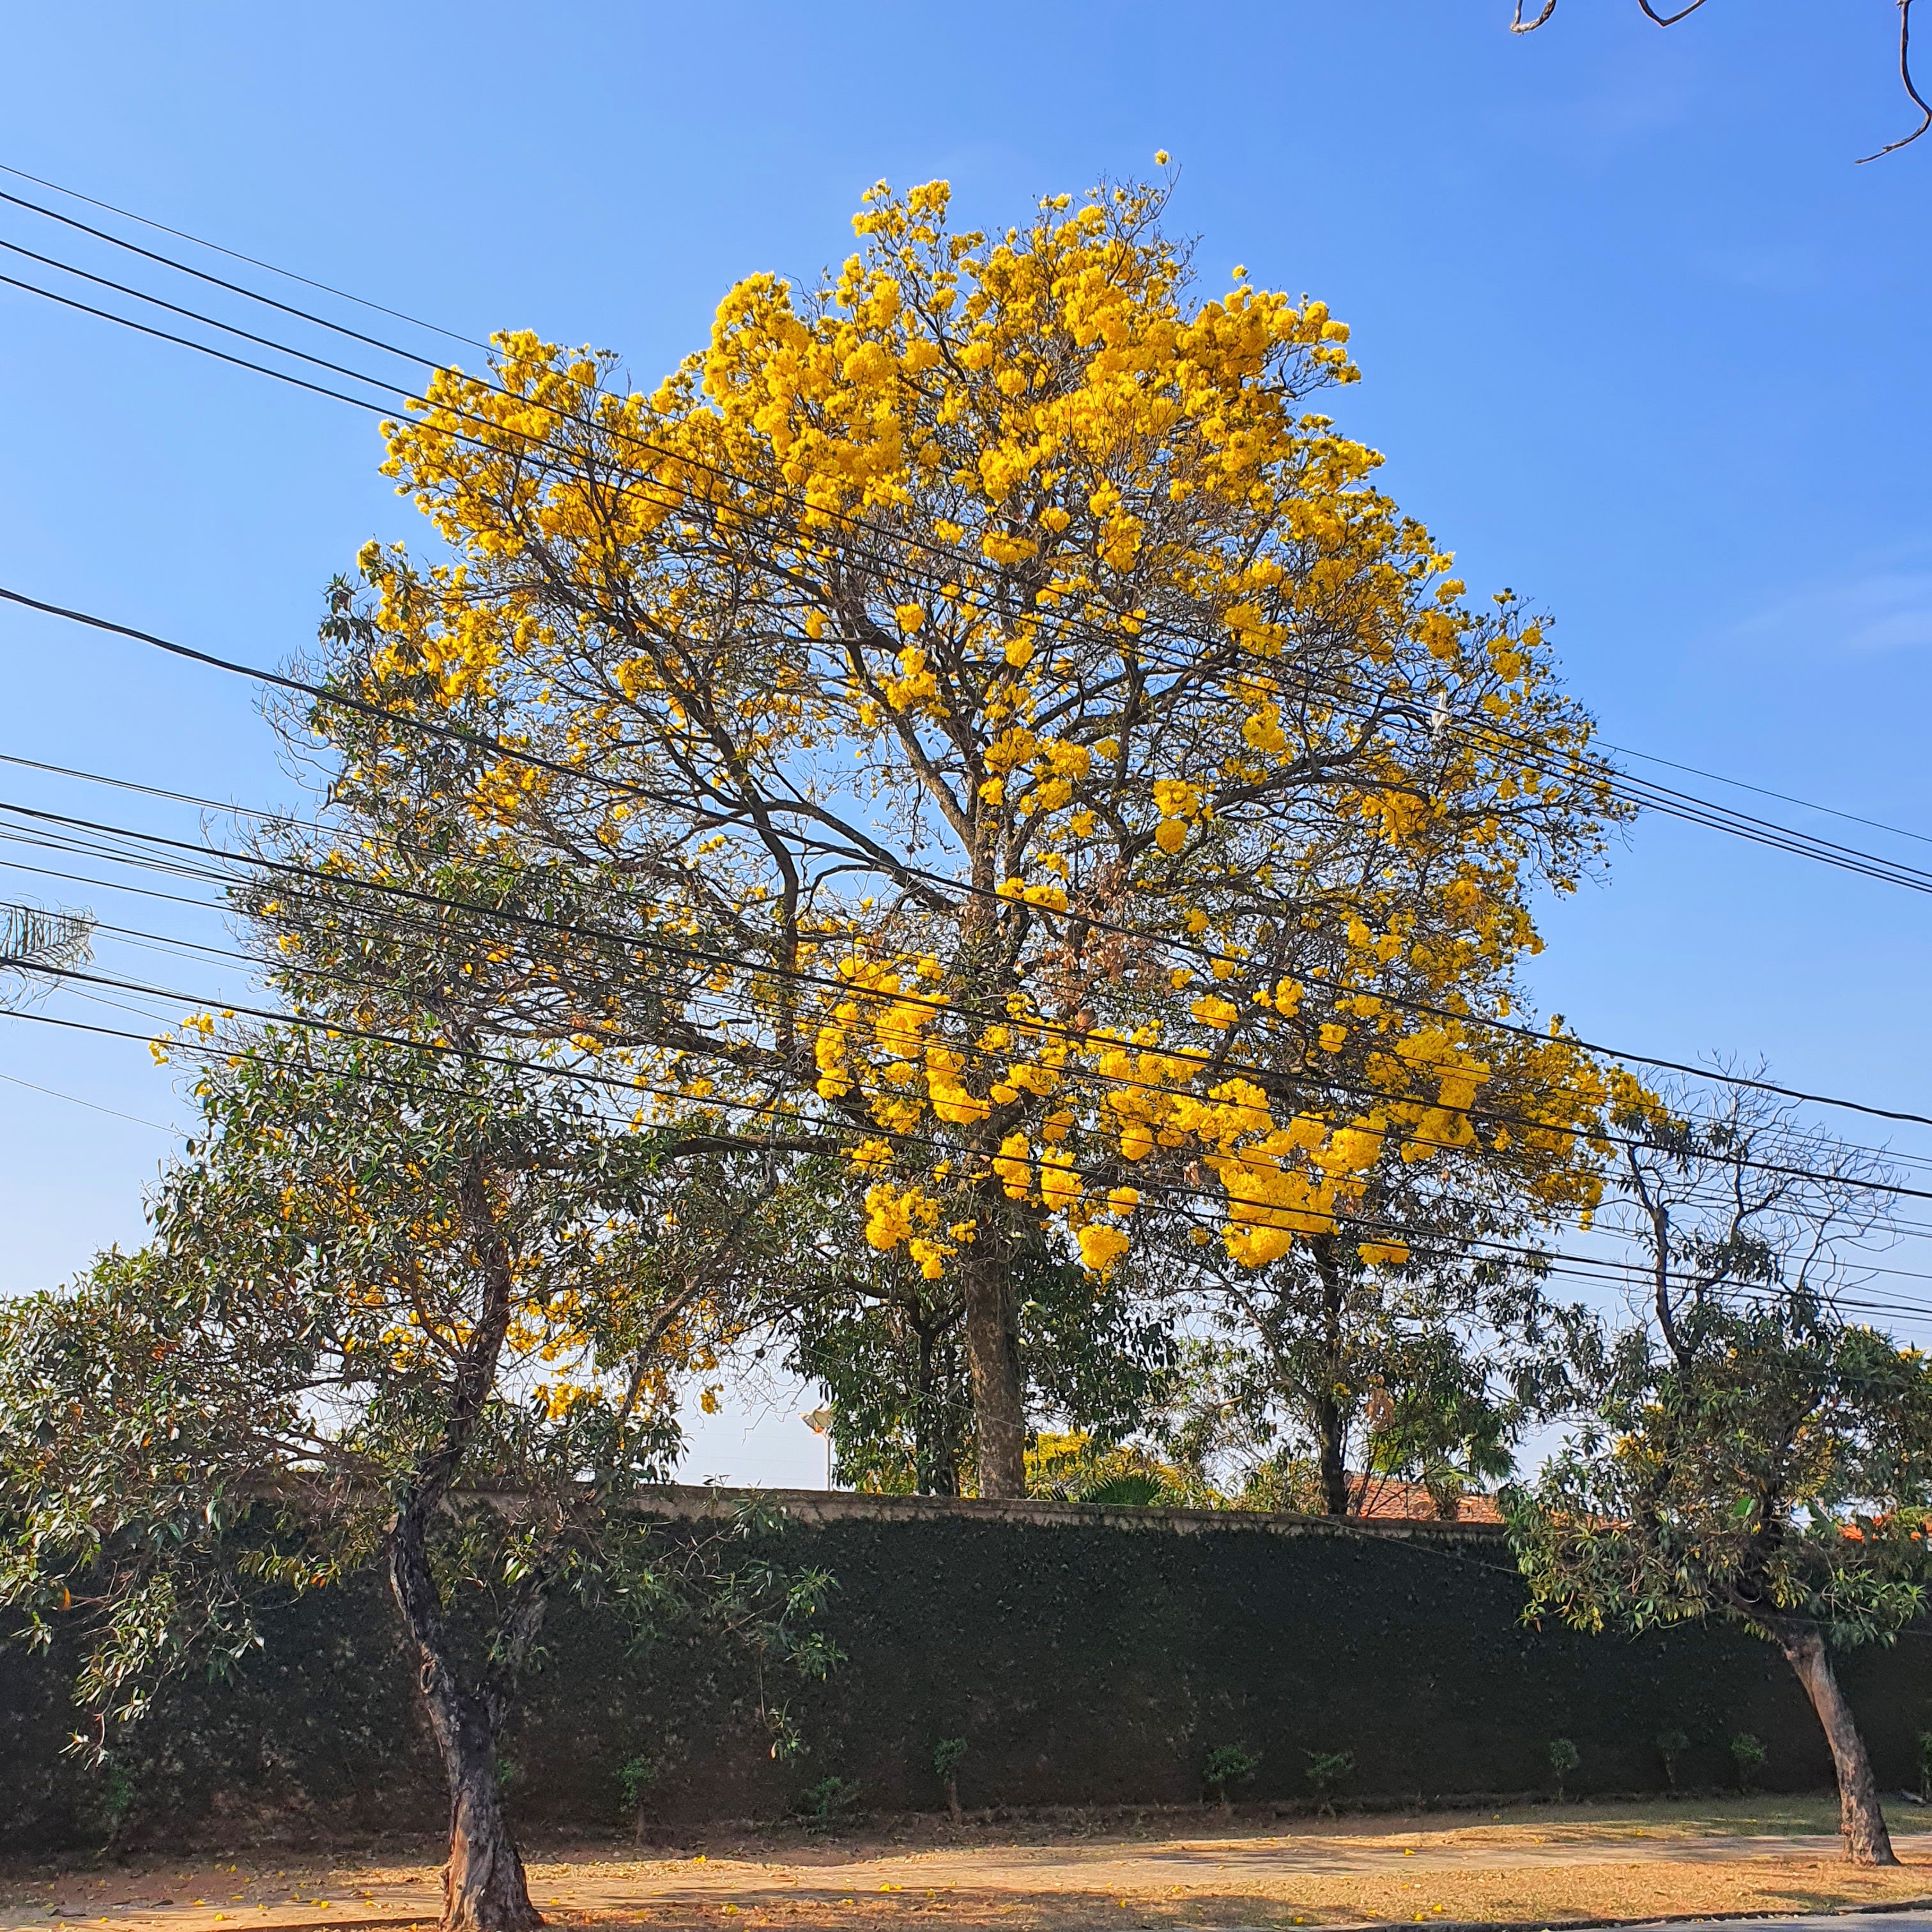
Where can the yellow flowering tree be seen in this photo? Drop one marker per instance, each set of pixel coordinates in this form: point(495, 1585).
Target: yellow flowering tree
point(1075, 777)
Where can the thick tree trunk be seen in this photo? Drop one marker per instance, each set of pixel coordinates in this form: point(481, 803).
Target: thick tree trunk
point(993, 1356)
point(1861, 1818)
point(484, 1888)
point(1331, 1429)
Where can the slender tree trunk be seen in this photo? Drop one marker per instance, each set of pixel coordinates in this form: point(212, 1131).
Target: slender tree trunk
point(1861, 1818)
point(1333, 1469)
point(993, 1355)
point(484, 1888)
point(935, 1450)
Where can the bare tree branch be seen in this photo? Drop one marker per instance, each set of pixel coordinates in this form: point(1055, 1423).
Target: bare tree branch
point(1520, 25)
point(1918, 99)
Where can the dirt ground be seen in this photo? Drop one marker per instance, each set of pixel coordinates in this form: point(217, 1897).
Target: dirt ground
point(1533, 1866)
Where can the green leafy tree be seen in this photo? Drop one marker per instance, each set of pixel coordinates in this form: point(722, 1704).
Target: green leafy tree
point(888, 1343)
point(1331, 1373)
point(401, 1305)
point(1745, 1452)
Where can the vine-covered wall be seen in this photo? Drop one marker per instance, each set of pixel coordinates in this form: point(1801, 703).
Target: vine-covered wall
point(1086, 1658)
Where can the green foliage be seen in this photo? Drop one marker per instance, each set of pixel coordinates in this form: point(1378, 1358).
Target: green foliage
point(1227, 1766)
point(380, 1274)
point(1745, 1452)
point(1330, 1370)
point(1078, 1468)
point(637, 1777)
point(947, 1755)
point(1748, 1754)
point(116, 1798)
point(1671, 1745)
point(1777, 1463)
point(1564, 1757)
point(1925, 1766)
point(1324, 1771)
point(829, 1802)
point(889, 1347)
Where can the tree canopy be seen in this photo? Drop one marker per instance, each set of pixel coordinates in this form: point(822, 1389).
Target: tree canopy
point(1745, 1452)
point(1071, 773)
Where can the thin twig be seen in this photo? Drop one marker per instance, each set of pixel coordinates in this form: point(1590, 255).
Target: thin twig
point(1520, 25)
point(1668, 20)
point(1918, 99)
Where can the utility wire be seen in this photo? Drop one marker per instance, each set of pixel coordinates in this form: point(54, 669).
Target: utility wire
point(1644, 792)
point(1636, 1273)
point(575, 928)
point(684, 951)
point(173, 944)
point(512, 754)
point(235, 255)
point(1891, 1190)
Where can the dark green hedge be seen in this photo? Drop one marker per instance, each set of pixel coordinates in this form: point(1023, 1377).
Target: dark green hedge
point(1084, 1663)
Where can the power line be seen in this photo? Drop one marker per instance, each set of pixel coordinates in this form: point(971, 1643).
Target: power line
point(945, 552)
point(74, 1100)
point(476, 343)
point(174, 944)
point(253, 262)
point(1645, 793)
point(1891, 1188)
point(336, 884)
point(1631, 1273)
point(496, 747)
point(272, 817)
point(897, 537)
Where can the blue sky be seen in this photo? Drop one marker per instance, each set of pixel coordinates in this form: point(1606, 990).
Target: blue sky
point(1638, 340)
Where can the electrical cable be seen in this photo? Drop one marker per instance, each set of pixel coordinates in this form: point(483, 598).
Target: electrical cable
point(1648, 795)
point(515, 754)
point(1593, 1268)
point(253, 262)
point(272, 817)
point(683, 950)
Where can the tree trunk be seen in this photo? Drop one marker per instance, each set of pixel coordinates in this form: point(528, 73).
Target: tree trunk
point(1334, 1469)
point(484, 1888)
point(935, 1446)
point(1331, 1427)
point(1861, 1818)
point(993, 1355)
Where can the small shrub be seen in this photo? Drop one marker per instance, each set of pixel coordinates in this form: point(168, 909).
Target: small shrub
point(1925, 1766)
point(830, 1801)
point(947, 1755)
point(508, 1771)
point(1564, 1757)
point(635, 1778)
point(1671, 1745)
point(1747, 1754)
point(1327, 1769)
point(116, 1800)
point(1229, 1765)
